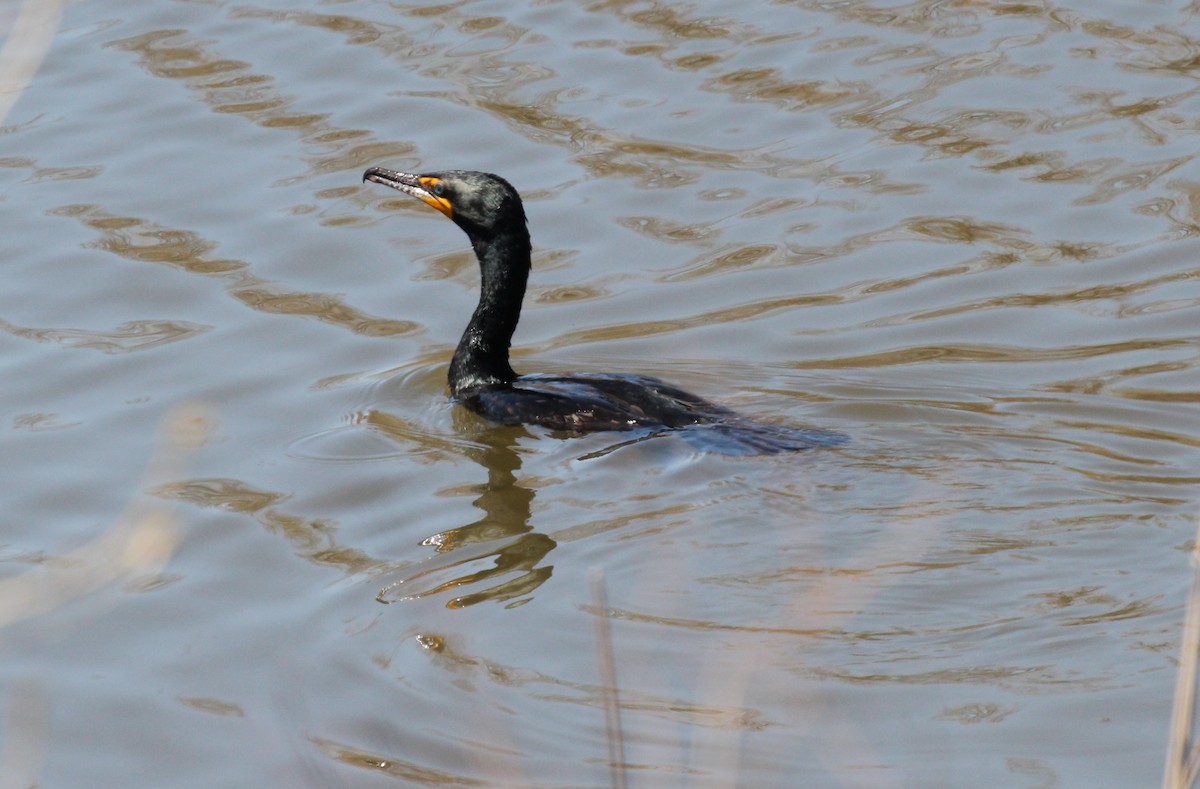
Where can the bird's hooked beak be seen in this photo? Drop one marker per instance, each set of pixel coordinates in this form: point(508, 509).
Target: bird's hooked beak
point(422, 187)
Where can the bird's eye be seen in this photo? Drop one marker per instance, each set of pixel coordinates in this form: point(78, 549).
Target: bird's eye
point(439, 189)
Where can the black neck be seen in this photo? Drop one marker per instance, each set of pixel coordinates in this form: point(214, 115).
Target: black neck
point(481, 358)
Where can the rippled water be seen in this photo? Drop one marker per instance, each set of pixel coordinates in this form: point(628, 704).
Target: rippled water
point(965, 234)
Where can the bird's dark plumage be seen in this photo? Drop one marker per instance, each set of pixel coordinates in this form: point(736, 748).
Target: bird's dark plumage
point(489, 211)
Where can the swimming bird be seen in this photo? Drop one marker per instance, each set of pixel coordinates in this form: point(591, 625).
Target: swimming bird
point(489, 210)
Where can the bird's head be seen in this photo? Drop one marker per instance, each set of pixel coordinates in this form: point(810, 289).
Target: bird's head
point(480, 203)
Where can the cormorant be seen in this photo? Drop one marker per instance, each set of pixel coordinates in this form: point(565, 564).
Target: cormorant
point(489, 211)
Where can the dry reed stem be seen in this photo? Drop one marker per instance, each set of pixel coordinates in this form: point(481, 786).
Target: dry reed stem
point(25, 48)
point(1182, 764)
point(130, 545)
point(835, 599)
point(140, 542)
point(608, 682)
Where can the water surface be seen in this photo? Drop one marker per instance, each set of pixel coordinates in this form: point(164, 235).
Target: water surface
point(963, 234)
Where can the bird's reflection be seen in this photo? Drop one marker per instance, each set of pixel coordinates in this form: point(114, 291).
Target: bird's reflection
point(503, 537)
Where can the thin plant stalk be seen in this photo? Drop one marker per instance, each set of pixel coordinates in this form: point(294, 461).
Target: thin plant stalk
point(608, 681)
point(1182, 762)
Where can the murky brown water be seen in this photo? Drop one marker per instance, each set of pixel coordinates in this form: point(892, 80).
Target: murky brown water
point(964, 233)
